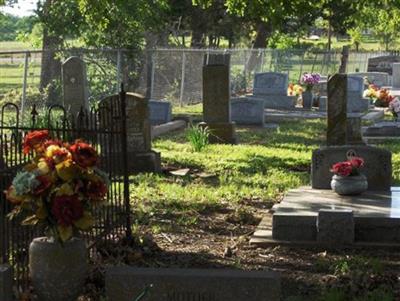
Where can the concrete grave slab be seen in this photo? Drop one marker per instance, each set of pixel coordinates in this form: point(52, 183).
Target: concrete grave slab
point(127, 283)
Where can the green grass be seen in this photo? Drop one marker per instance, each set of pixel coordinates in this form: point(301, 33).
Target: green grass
point(14, 45)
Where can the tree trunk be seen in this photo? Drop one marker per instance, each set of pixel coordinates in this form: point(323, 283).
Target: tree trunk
point(197, 39)
point(263, 32)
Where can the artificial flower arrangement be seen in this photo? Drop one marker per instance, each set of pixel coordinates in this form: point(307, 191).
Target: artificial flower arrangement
point(295, 89)
point(379, 96)
point(59, 186)
point(348, 168)
point(310, 79)
point(394, 108)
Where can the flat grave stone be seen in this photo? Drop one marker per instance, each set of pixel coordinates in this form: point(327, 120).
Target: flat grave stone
point(75, 88)
point(247, 111)
point(376, 216)
point(127, 283)
point(6, 283)
point(160, 112)
point(382, 63)
point(383, 129)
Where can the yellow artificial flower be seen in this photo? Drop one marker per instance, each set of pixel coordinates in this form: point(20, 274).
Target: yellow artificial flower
point(65, 189)
point(66, 170)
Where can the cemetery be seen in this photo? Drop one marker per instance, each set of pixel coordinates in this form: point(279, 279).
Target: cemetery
point(148, 159)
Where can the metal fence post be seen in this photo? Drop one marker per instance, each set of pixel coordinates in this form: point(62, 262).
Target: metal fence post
point(25, 82)
point(182, 78)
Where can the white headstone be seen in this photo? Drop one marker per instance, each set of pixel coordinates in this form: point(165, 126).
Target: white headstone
point(270, 83)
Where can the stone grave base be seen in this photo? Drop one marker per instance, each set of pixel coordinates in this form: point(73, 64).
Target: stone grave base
point(137, 162)
point(309, 216)
point(223, 132)
point(274, 115)
point(276, 101)
point(382, 129)
point(166, 128)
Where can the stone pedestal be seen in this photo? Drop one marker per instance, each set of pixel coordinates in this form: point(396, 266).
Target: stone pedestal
point(396, 75)
point(222, 132)
point(335, 226)
point(6, 283)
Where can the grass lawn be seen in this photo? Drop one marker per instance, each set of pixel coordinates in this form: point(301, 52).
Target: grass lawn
point(204, 219)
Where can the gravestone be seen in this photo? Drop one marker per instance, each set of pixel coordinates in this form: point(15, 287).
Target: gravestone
point(141, 157)
point(380, 79)
point(6, 283)
point(127, 283)
point(271, 87)
point(216, 103)
point(382, 63)
point(247, 111)
point(355, 89)
point(383, 129)
point(396, 75)
point(335, 226)
point(75, 88)
point(378, 164)
point(160, 112)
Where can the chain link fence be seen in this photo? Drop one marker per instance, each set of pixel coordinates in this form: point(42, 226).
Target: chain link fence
point(171, 74)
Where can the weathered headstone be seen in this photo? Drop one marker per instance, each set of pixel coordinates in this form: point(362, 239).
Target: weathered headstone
point(127, 283)
point(355, 89)
point(6, 283)
point(160, 112)
point(216, 104)
point(75, 88)
point(382, 63)
point(335, 226)
point(383, 129)
point(271, 87)
point(396, 75)
point(141, 157)
point(247, 111)
point(337, 110)
point(381, 79)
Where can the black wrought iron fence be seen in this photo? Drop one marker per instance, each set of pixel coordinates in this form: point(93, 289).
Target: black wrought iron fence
point(112, 219)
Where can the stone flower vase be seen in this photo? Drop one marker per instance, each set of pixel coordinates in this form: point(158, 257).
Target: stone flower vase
point(307, 97)
point(351, 185)
point(58, 271)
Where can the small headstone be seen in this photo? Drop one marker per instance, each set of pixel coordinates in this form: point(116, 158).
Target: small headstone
point(396, 75)
point(377, 167)
point(127, 283)
point(382, 63)
point(383, 129)
point(6, 283)
point(216, 103)
point(160, 112)
point(141, 156)
point(335, 226)
point(271, 87)
point(270, 83)
point(75, 88)
point(247, 111)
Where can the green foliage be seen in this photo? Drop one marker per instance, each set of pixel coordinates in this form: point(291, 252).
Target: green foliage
point(198, 137)
point(11, 26)
point(34, 37)
point(281, 41)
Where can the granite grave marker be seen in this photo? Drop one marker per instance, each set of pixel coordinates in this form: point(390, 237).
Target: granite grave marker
point(382, 63)
point(216, 103)
point(160, 112)
point(247, 111)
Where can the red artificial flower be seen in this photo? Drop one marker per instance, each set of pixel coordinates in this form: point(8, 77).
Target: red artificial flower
point(67, 209)
point(342, 168)
point(45, 184)
point(357, 162)
point(52, 142)
point(84, 154)
point(12, 197)
point(96, 191)
point(34, 139)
